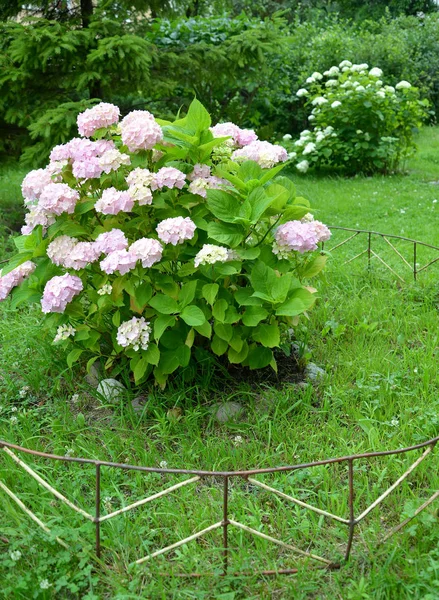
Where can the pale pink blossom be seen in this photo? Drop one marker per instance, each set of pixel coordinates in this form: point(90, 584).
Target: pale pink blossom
point(140, 131)
point(297, 236)
point(112, 160)
point(59, 291)
point(109, 241)
point(82, 254)
point(59, 250)
point(240, 137)
point(176, 231)
point(34, 183)
point(265, 154)
point(134, 333)
point(113, 202)
point(148, 250)
point(37, 216)
point(119, 260)
point(322, 232)
point(199, 171)
point(140, 194)
point(168, 177)
point(101, 115)
point(140, 176)
point(14, 278)
point(57, 198)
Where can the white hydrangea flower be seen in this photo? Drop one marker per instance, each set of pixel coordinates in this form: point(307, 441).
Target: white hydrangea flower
point(63, 332)
point(403, 85)
point(309, 148)
point(112, 159)
point(331, 83)
point(319, 101)
point(292, 155)
point(287, 137)
point(345, 63)
point(302, 91)
point(210, 254)
point(381, 94)
point(134, 333)
point(308, 218)
point(303, 166)
point(317, 76)
point(311, 118)
point(335, 104)
point(389, 88)
point(310, 80)
point(375, 72)
point(320, 136)
point(44, 584)
point(360, 88)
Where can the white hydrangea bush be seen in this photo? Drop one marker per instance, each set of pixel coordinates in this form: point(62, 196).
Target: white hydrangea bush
point(357, 124)
point(148, 244)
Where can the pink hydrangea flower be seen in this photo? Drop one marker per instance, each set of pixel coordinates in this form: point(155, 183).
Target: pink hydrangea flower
point(14, 278)
point(37, 216)
point(84, 156)
point(140, 131)
point(322, 231)
point(55, 170)
point(168, 177)
point(141, 194)
point(82, 255)
point(113, 202)
point(199, 171)
point(110, 241)
point(34, 183)
point(111, 160)
point(87, 169)
point(57, 198)
point(134, 333)
point(101, 115)
point(59, 250)
point(294, 235)
point(265, 154)
point(59, 291)
point(119, 260)
point(201, 185)
point(148, 250)
point(240, 137)
point(176, 231)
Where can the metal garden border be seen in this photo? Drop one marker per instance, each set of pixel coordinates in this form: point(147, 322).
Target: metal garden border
point(224, 523)
point(370, 252)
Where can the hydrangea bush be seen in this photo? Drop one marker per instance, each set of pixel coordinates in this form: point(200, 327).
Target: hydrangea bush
point(358, 123)
point(151, 243)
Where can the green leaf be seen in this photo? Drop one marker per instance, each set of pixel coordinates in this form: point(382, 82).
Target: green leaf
point(272, 173)
point(161, 324)
point(197, 117)
point(224, 331)
point(267, 335)
point(205, 329)
point(219, 346)
point(143, 293)
point(115, 319)
point(259, 202)
point(315, 266)
point(193, 316)
point(228, 234)
point(209, 292)
point(258, 357)
point(298, 302)
point(169, 362)
point(16, 261)
point(244, 297)
point(254, 315)
point(84, 207)
point(152, 354)
point(223, 205)
point(164, 304)
point(248, 253)
point(269, 286)
point(238, 357)
point(219, 309)
point(22, 294)
point(73, 356)
point(187, 293)
point(232, 315)
point(140, 369)
point(249, 170)
point(184, 355)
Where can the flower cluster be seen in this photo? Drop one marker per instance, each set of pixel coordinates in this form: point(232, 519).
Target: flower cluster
point(113, 202)
point(265, 154)
point(381, 120)
point(210, 254)
point(63, 332)
point(176, 231)
point(101, 115)
point(148, 250)
point(59, 291)
point(134, 333)
point(299, 236)
point(14, 278)
point(140, 131)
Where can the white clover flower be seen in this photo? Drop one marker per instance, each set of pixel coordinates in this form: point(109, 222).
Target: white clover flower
point(15, 555)
point(63, 332)
point(345, 63)
point(24, 391)
point(210, 254)
point(13, 420)
point(335, 104)
point(302, 92)
point(375, 72)
point(238, 440)
point(303, 166)
point(74, 398)
point(403, 85)
point(319, 100)
point(163, 464)
point(316, 75)
point(309, 148)
point(14, 409)
point(105, 289)
point(394, 422)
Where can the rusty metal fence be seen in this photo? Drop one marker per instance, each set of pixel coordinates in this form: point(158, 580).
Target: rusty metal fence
point(224, 521)
point(372, 246)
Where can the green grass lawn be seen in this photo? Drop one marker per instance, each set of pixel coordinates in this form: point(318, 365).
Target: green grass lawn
point(378, 342)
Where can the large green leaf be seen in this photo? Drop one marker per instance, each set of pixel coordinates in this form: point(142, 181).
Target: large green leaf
point(259, 202)
point(161, 324)
point(315, 266)
point(210, 292)
point(259, 357)
point(197, 117)
point(187, 293)
point(268, 285)
point(267, 335)
point(193, 316)
point(298, 302)
point(164, 304)
point(224, 206)
point(228, 234)
point(254, 315)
